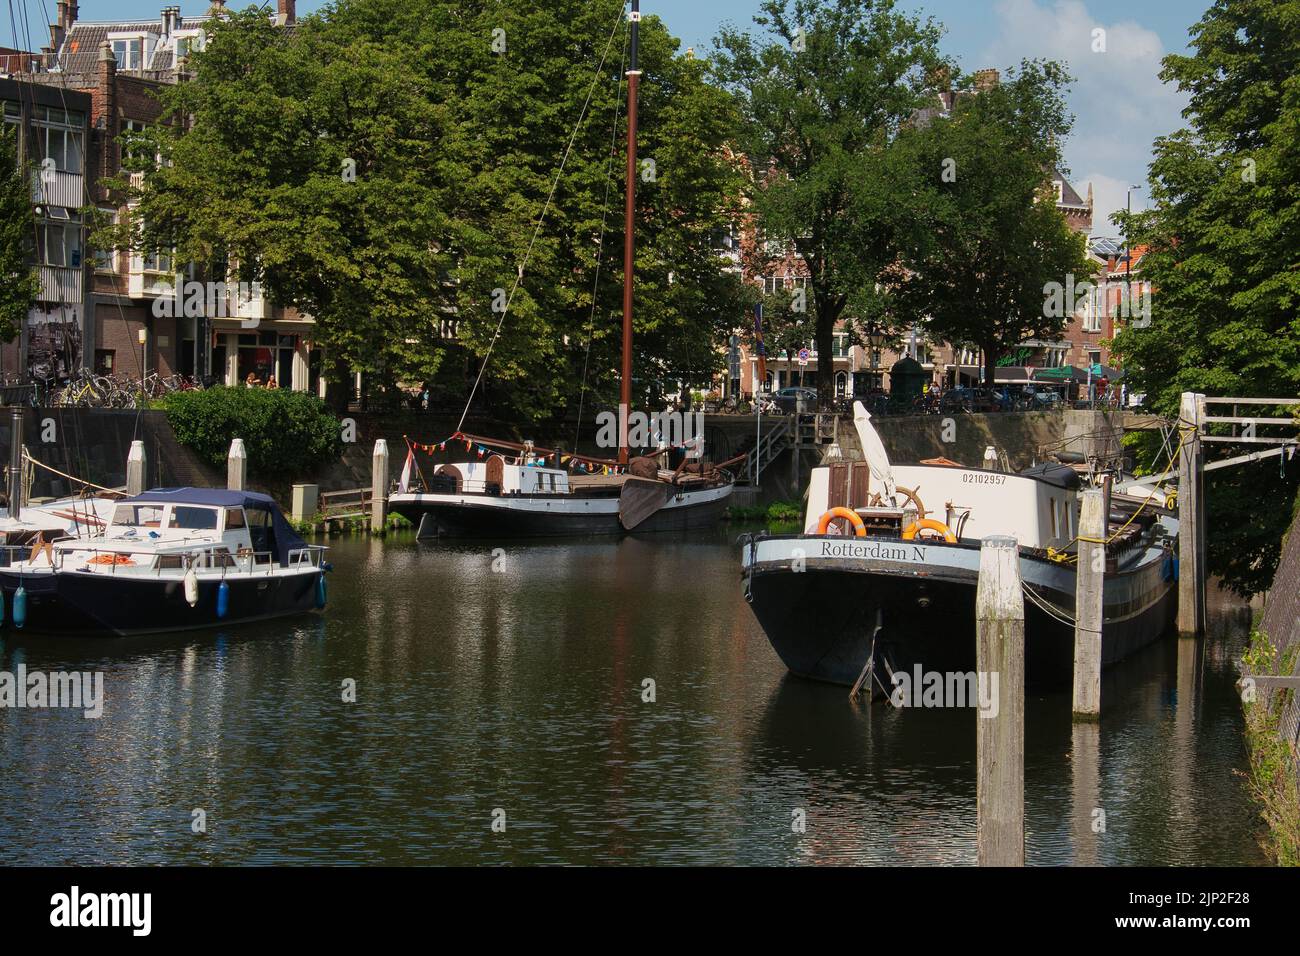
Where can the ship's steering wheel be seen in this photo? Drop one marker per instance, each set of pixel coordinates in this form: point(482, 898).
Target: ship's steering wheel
point(911, 495)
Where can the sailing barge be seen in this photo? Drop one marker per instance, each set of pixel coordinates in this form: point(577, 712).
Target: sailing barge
point(877, 573)
point(531, 493)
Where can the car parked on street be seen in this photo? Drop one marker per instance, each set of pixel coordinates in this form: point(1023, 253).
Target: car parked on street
point(796, 400)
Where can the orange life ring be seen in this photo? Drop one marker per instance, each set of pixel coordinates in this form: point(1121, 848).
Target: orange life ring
point(928, 524)
point(853, 518)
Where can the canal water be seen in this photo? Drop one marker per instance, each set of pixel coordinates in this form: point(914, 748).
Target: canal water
point(509, 684)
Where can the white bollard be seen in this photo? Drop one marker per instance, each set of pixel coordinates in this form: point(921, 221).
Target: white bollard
point(135, 469)
point(236, 466)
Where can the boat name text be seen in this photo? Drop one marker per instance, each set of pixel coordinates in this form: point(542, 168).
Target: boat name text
point(878, 549)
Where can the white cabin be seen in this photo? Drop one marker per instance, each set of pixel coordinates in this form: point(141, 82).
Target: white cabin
point(1038, 513)
point(475, 477)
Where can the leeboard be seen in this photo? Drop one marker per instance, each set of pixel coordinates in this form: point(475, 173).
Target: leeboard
point(640, 499)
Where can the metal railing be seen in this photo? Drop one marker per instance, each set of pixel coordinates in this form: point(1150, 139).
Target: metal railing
point(770, 444)
point(240, 562)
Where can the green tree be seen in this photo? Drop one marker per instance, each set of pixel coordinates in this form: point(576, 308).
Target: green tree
point(823, 95)
point(454, 119)
point(17, 226)
point(1222, 234)
point(993, 245)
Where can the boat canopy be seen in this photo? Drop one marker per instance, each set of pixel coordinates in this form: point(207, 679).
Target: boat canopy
point(1062, 476)
point(283, 538)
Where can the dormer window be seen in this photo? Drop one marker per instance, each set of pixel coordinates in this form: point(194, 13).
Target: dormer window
point(188, 44)
point(1060, 190)
point(129, 53)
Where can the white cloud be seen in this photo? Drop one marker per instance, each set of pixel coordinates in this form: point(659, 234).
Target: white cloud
point(1119, 101)
point(1110, 194)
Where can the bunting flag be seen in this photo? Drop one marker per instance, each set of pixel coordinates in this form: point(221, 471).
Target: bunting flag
point(404, 483)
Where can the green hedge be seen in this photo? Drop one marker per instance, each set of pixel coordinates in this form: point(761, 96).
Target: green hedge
point(285, 433)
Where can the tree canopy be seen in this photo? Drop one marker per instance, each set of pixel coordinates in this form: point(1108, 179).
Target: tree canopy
point(823, 90)
point(383, 167)
point(20, 282)
point(991, 240)
point(1222, 234)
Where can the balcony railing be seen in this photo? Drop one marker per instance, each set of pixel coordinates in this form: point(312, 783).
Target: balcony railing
point(60, 284)
point(61, 189)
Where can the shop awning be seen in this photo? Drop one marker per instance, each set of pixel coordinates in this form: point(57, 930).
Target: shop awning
point(1112, 374)
point(1002, 375)
point(1062, 373)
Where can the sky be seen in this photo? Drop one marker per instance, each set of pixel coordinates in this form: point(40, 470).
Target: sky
point(1119, 103)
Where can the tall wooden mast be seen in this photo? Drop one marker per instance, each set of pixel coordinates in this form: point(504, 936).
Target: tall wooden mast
point(629, 236)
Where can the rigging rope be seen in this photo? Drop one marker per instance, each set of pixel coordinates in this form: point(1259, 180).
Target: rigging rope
point(519, 274)
point(600, 246)
point(62, 474)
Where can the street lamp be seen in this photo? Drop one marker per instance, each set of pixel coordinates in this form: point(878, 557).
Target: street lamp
point(876, 340)
point(1128, 251)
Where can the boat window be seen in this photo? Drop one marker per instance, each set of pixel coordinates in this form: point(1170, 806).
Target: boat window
point(1051, 507)
point(169, 562)
point(221, 558)
point(192, 518)
point(234, 518)
point(138, 516)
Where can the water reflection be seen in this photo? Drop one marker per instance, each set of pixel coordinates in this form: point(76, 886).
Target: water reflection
point(525, 689)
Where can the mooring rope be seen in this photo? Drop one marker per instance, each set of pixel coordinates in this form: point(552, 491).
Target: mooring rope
point(63, 474)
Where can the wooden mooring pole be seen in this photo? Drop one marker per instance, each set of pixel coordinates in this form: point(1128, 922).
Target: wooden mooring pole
point(378, 486)
point(1000, 736)
point(1191, 517)
point(1091, 573)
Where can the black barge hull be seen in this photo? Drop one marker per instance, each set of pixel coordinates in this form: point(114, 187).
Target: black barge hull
point(821, 620)
point(489, 520)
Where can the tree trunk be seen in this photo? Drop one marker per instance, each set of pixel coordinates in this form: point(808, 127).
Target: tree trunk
point(991, 356)
point(828, 313)
point(338, 387)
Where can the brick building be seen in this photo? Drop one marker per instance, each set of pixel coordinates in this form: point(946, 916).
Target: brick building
point(50, 128)
point(859, 368)
point(120, 67)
